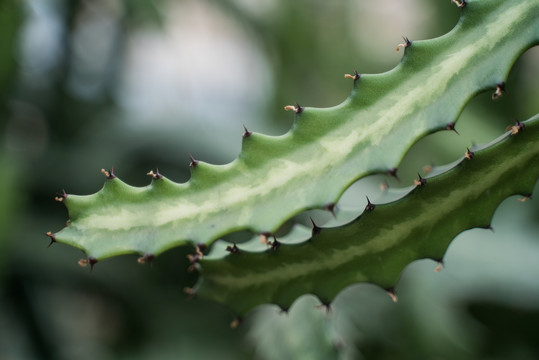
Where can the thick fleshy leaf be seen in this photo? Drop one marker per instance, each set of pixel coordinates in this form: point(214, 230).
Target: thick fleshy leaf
point(326, 150)
point(377, 246)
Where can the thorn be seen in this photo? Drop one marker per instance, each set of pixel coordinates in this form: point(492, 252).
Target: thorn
point(109, 175)
point(393, 172)
point(235, 323)
point(392, 295)
point(404, 45)
point(232, 249)
point(52, 237)
point(193, 260)
point(147, 257)
point(264, 238)
point(326, 305)
point(518, 127)
point(459, 3)
point(384, 186)
point(297, 109)
point(83, 262)
point(440, 266)
point(427, 168)
point(61, 196)
point(283, 311)
point(522, 199)
point(290, 107)
point(500, 90)
point(193, 162)
point(331, 208)
point(274, 244)
point(469, 154)
point(246, 133)
point(92, 261)
point(353, 77)
point(489, 227)
point(156, 175)
point(451, 126)
point(370, 206)
point(316, 228)
point(420, 182)
point(191, 293)
point(200, 248)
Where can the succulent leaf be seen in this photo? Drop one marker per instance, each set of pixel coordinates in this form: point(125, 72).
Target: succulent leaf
point(325, 151)
point(377, 245)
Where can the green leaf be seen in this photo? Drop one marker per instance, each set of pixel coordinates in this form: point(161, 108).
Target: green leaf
point(326, 150)
point(377, 246)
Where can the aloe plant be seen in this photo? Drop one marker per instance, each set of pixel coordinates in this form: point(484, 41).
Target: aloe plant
point(325, 151)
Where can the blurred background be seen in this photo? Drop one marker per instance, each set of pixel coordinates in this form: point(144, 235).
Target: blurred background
point(138, 84)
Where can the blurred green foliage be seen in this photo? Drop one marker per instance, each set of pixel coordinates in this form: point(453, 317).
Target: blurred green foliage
point(65, 68)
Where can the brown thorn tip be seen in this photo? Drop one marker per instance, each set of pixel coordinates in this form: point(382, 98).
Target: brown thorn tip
point(146, 257)
point(246, 133)
point(316, 228)
point(232, 249)
point(92, 261)
point(193, 162)
point(235, 323)
point(500, 90)
point(264, 237)
point(61, 196)
point(393, 172)
point(392, 295)
point(326, 305)
point(83, 262)
point(451, 126)
point(353, 77)
point(469, 154)
point(200, 248)
point(297, 109)
point(290, 107)
point(459, 3)
point(420, 182)
point(150, 258)
point(518, 127)
point(155, 175)
point(405, 44)
point(52, 237)
point(331, 208)
point(370, 206)
point(525, 198)
point(193, 258)
point(109, 175)
point(439, 267)
point(274, 244)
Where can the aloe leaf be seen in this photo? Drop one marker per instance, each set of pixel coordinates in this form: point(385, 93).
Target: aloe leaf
point(326, 150)
point(377, 246)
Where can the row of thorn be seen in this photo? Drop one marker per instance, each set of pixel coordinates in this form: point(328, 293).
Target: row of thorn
point(272, 244)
